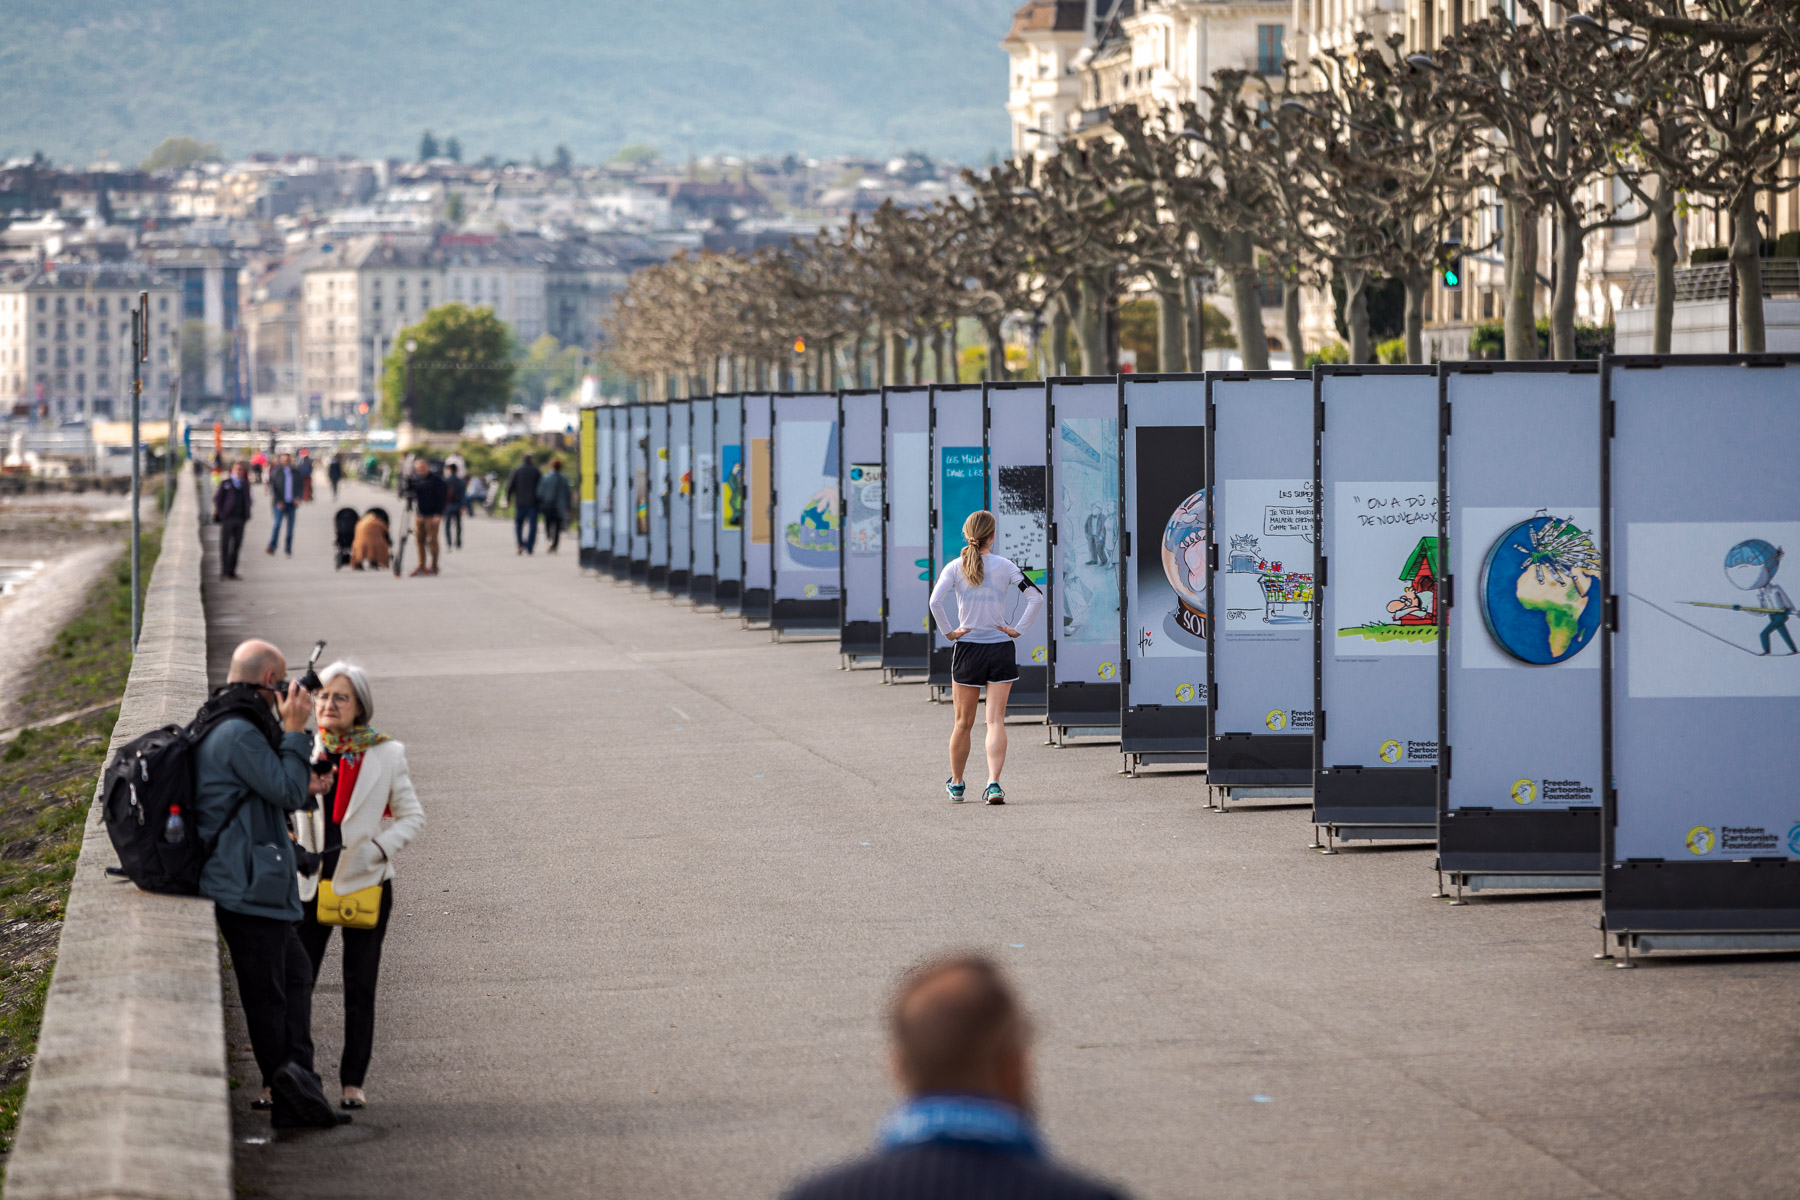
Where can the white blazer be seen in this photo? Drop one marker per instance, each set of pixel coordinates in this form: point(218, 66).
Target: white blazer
point(383, 785)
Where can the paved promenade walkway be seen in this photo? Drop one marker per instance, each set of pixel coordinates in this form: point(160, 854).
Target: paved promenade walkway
point(672, 869)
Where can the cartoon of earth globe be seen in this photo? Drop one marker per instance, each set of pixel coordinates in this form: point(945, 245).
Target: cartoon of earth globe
point(1184, 564)
point(1751, 563)
point(1538, 590)
point(812, 541)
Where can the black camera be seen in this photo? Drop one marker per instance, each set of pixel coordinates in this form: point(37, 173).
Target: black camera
point(310, 679)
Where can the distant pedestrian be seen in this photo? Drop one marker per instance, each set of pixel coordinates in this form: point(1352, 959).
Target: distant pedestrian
point(456, 501)
point(231, 509)
point(430, 498)
point(250, 772)
point(335, 473)
point(961, 1053)
point(286, 486)
point(259, 462)
point(521, 493)
point(371, 815)
point(982, 583)
point(481, 488)
point(553, 500)
point(306, 475)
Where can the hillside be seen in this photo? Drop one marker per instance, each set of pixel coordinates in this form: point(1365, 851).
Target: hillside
point(78, 77)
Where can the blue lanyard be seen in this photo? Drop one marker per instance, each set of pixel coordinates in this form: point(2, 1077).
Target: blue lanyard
point(970, 1120)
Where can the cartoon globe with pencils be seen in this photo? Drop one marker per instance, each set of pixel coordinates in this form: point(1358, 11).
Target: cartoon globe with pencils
point(1184, 564)
point(1538, 590)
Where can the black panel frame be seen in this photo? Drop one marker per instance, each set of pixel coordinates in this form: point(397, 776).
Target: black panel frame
point(1030, 696)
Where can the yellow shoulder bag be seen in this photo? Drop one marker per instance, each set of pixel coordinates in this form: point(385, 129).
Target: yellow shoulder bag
point(358, 910)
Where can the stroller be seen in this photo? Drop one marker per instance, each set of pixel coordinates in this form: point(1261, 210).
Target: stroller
point(344, 522)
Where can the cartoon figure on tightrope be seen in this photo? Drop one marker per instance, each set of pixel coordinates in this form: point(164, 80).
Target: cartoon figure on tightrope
point(1751, 566)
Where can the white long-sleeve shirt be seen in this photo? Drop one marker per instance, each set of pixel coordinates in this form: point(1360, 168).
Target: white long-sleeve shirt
point(982, 609)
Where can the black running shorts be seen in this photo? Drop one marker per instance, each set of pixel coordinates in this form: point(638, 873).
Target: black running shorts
point(975, 663)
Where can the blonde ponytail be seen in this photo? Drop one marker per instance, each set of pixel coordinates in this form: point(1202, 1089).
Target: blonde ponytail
point(978, 531)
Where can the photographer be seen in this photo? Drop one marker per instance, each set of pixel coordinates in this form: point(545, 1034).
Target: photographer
point(371, 815)
point(250, 771)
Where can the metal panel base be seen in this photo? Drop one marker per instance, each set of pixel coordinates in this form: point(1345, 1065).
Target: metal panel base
point(1219, 796)
point(1336, 832)
point(1136, 759)
point(1490, 881)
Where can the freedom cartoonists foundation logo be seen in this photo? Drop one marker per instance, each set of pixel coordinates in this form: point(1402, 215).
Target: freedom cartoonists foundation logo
point(1184, 693)
point(1276, 720)
point(1701, 840)
point(1038, 654)
point(810, 590)
point(1794, 840)
point(1391, 751)
point(1108, 670)
point(1524, 791)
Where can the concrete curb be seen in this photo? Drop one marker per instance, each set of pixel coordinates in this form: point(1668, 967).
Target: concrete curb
point(128, 1096)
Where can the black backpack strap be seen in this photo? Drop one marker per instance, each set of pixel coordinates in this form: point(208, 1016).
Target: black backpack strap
point(212, 843)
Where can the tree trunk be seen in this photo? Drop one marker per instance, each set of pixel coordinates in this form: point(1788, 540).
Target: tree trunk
point(918, 366)
point(1290, 319)
point(897, 357)
point(1090, 323)
point(1059, 339)
point(996, 349)
point(1746, 260)
point(1521, 282)
point(955, 355)
point(1196, 339)
point(1418, 291)
point(1568, 268)
point(1171, 321)
point(1356, 311)
point(1253, 343)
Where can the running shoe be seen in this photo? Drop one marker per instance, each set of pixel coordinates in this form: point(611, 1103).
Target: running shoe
point(996, 794)
point(955, 789)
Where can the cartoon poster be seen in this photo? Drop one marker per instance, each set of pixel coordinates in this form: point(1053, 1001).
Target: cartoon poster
point(1385, 569)
point(703, 486)
point(1265, 581)
point(1537, 580)
point(1170, 602)
point(863, 522)
point(763, 493)
point(1087, 478)
point(731, 486)
point(684, 472)
point(1706, 612)
point(640, 488)
point(811, 511)
point(964, 479)
point(1019, 532)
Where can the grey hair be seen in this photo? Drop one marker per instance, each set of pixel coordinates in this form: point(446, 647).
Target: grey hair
point(359, 683)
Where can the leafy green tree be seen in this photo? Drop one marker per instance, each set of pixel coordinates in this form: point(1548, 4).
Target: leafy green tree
point(550, 369)
point(178, 153)
point(563, 160)
point(428, 147)
point(462, 364)
point(637, 154)
point(453, 149)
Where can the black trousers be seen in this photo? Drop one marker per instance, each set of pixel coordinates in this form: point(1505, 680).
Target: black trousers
point(362, 967)
point(275, 983)
point(553, 527)
point(231, 540)
point(453, 527)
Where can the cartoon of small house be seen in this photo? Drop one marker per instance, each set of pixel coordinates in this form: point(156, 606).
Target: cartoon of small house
point(1420, 574)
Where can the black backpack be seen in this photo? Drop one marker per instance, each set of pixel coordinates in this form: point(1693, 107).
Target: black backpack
point(153, 774)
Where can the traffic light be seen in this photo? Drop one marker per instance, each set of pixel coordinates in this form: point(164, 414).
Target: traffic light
point(1450, 256)
point(799, 345)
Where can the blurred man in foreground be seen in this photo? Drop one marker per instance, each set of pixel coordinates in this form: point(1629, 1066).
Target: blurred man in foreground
point(961, 1049)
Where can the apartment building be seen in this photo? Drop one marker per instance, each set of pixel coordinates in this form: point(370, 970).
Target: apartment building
point(65, 339)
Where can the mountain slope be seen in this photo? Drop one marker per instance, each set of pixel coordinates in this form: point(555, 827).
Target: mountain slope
point(512, 78)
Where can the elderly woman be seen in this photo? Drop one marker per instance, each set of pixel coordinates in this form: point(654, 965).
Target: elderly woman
point(363, 823)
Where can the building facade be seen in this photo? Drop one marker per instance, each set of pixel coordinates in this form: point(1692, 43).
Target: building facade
point(65, 340)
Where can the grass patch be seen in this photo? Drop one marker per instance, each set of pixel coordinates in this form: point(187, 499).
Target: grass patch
point(1376, 631)
point(47, 779)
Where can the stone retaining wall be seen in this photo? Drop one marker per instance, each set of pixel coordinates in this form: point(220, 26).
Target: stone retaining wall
point(128, 1096)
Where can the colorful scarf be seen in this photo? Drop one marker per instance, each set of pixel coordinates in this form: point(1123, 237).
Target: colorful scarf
point(357, 741)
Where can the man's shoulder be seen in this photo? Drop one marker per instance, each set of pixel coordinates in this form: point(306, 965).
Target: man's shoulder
point(939, 1172)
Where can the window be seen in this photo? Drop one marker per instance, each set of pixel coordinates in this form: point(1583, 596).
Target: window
point(40, 309)
point(102, 309)
point(1456, 306)
point(43, 329)
point(62, 305)
point(62, 357)
point(81, 329)
point(80, 354)
point(1268, 49)
point(43, 356)
point(103, 381)
point(100, 331)
point(81, 381)
point(1487, 306)
point(62, 331)
point(162, 304)
point(101, 358)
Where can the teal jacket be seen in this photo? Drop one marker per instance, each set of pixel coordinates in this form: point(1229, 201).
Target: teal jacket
point(553, 494)
point(252, 869)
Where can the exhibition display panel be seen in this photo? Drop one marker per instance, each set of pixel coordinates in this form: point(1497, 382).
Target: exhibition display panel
point(861, 486)
point(759, 513)
point(905, 530)
point(1519, 771)
point(728, 544)
point(958, 488)
point(638, 480)
point(704, 502)
point(1162, 568)
point(658, 575)
point(1700, 502)
point(1083, 599)
point(1260, 586)
point(1017, 494)
point(588, 489)
point(681, 495)
point(1378, 575)
point(807, 513)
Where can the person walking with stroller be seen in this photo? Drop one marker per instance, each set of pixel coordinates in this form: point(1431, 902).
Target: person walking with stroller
point(554, 498)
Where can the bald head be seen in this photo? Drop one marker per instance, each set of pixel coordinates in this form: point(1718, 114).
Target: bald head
point(257, 661)
point(957, 1027)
